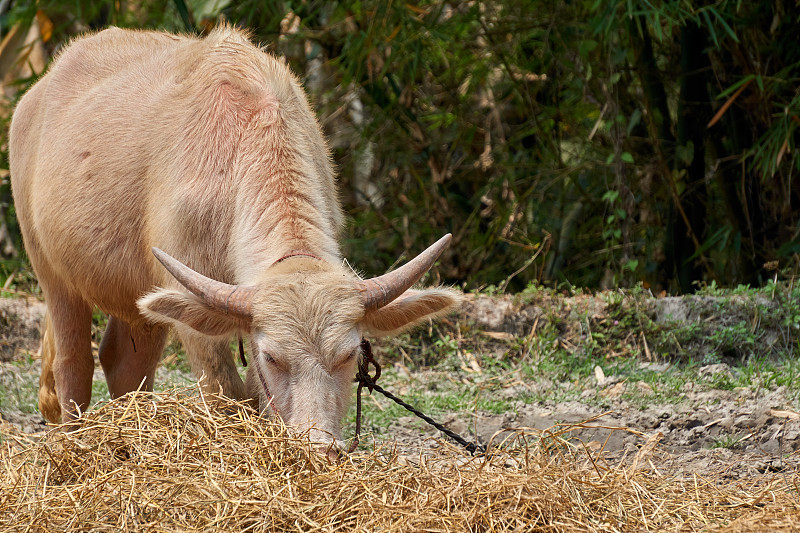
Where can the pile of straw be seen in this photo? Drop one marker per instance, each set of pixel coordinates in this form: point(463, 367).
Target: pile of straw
point(171, 462)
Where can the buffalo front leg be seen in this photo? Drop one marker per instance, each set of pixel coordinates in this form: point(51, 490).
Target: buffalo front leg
point(212, 358)
point(129, 356)
point(72, 364)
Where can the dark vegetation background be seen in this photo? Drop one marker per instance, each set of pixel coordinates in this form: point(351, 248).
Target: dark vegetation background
point(578, 143)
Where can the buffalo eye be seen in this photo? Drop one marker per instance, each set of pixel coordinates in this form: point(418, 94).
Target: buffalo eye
point(352, 355)
point(348, 358)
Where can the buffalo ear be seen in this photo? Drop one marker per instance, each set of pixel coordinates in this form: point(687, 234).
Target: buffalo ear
point(185, 309)
point(409, 309)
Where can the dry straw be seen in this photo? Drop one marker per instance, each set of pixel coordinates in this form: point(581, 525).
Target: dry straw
point(177, 462)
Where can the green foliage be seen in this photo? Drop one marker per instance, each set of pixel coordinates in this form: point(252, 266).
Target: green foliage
point(17, 278)
point(730, 442)
point(574, 337)
point(575, 129)
point(16, 391)
point(754, 331)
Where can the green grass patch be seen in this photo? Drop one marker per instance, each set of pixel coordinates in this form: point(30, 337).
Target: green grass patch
point(730, 442)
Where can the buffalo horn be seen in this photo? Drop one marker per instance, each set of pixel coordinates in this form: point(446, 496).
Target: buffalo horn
point(381, 291)
point(232, 299)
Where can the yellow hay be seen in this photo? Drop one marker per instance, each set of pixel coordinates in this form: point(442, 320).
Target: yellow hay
point(172, 462)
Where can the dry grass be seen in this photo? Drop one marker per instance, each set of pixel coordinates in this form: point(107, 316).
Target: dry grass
point(169, 462)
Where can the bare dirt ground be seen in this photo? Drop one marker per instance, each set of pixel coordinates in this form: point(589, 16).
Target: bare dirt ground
point(732, 431)
point(706, 422)
point(757, 434)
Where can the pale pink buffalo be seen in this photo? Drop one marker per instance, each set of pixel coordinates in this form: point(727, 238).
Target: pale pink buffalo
point(136, 142)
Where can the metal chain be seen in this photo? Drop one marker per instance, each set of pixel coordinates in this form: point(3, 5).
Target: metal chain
point(365, 380)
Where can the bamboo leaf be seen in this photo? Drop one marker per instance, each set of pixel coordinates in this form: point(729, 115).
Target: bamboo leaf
point(636, 117)
point(657, 27)
point(710, 28)
point(186, 16)
point(720, 236)
point(726, 105)
point(782, 151)
point(725, 25)
point(729, 90)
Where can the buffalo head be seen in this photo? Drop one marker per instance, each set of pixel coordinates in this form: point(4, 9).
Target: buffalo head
point(305, 318)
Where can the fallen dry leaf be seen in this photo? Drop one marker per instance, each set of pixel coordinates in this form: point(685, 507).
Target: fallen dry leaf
point(614, 392)
point(599, 375)
point(791, 415)
point(499, 335)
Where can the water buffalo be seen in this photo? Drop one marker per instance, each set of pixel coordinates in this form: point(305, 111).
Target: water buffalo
point(136, 142)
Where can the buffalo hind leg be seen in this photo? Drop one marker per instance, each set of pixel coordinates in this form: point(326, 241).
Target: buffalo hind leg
point(48, 400)
point(213, 358)
point(129, 356)
point(72, 365)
